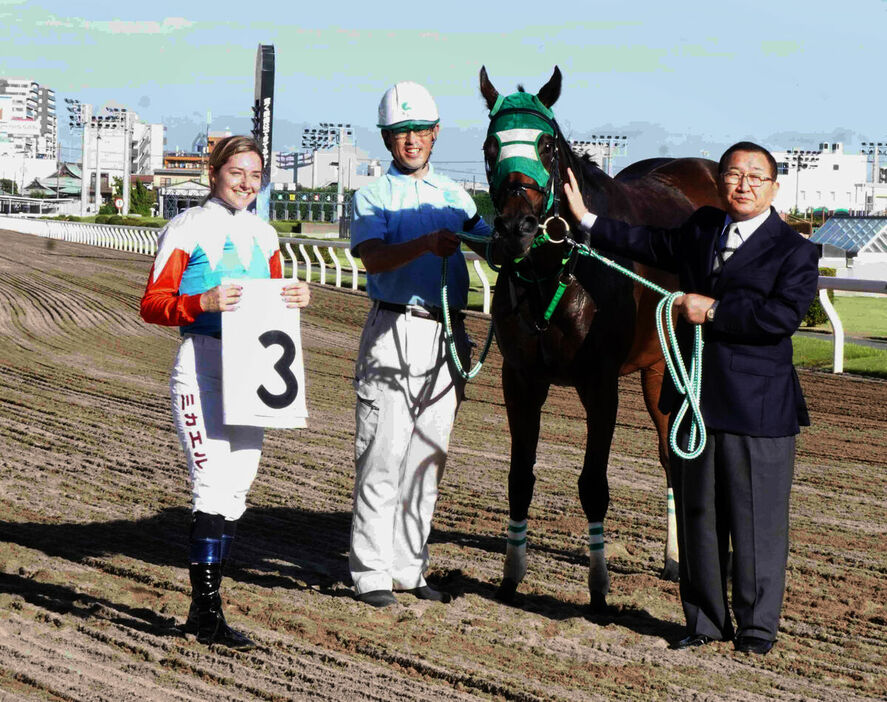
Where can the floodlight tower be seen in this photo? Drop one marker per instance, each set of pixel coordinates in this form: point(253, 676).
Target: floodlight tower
point(607, 146)
point(800, 159)
point(80, 118)
point(324, 136)
point(613, 145)
point(874, 149)
point(123, 119)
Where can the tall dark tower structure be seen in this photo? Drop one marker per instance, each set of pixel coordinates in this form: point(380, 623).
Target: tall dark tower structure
point(263, 114)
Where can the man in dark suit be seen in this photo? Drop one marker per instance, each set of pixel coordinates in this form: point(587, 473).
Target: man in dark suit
point(749, 280)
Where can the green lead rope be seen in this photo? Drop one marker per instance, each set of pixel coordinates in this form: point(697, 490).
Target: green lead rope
point(558, 294)
point(450, 340)
point(689, 386)
point(688, 383)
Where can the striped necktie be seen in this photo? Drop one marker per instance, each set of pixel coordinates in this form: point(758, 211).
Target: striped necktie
point(727, 245)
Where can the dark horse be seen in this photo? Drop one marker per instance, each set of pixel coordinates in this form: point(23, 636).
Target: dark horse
point(603, 326)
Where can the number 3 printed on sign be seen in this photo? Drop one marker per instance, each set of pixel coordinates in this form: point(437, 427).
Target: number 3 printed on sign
point(284, 399)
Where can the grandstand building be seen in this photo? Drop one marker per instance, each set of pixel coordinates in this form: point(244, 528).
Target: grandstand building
point(830, 179)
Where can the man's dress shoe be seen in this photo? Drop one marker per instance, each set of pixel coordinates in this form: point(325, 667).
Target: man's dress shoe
point(753, 644)
point(692, 641)
point(377, 598)
point(423, 592)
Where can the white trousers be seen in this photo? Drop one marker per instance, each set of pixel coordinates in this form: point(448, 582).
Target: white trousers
point(406, 404)
point(222, 460)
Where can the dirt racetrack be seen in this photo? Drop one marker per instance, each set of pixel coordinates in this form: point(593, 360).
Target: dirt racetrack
point(93, 533)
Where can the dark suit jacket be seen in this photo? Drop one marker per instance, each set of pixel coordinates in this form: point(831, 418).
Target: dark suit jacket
point(749, 385)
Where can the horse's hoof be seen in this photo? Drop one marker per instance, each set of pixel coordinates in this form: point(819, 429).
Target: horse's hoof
point(598, 603)
point(507, 590)
point(670, 571)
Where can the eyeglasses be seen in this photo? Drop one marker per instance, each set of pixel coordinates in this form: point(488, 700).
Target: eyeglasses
point(754, 181)
point(423, 133)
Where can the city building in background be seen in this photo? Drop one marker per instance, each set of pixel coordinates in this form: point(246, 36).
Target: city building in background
point(117, 144)
point(824, 178)
point(183, 180)
point(148, 143)
point(172, 199)
point(28, 123)
point(64, 183)
point(180, 166)
point(320, 169)
point(28, 130)
point(146, 147)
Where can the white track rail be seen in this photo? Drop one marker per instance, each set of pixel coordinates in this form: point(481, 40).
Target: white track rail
point(298, 251)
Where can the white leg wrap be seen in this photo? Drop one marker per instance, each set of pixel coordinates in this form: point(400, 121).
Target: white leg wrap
point(516, 551)
point(598, 578)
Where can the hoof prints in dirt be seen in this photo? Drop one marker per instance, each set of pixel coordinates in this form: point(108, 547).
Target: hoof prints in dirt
point(93, 532)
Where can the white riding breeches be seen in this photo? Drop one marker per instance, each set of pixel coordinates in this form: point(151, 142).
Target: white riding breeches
point(406, 404)
point(222, 459)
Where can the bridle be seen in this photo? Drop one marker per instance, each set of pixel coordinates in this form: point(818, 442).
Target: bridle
point(553, 228)
point(519, 141)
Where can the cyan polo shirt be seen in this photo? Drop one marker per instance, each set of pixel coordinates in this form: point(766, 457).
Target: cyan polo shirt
point(397, 208)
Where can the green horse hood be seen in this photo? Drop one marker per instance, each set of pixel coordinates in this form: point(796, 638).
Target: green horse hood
point(518, 122)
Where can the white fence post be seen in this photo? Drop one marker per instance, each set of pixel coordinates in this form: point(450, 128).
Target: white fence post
point(332, 252)
point(826, 283)
point(321, 262)
point(483, 281)
point(307, 260)
point(294, 261)
point(353, 264)
point(837, 328)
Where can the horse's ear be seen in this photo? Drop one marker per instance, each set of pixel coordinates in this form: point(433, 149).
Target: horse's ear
point(551, 91)
point(486, 89)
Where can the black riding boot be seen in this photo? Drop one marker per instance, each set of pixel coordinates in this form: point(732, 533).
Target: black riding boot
point(211, 625)
point(211, 537)
point(200, 549)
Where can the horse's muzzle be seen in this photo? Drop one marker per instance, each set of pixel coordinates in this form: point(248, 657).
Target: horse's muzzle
point(516, 233)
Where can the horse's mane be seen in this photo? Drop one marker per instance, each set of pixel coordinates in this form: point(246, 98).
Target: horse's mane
point(586, 158)
point(587, 165)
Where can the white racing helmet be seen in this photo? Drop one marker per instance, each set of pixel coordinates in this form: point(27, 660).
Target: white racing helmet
point(407, 105)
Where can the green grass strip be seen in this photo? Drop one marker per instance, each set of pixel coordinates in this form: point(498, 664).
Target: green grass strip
point(818, 353)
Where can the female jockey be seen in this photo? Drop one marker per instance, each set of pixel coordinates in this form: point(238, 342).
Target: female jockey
point(196, 251)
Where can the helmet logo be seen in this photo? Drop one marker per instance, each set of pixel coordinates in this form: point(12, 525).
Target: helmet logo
point(405, 106)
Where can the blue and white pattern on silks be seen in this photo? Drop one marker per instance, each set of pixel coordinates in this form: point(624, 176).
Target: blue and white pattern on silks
point(200, 247)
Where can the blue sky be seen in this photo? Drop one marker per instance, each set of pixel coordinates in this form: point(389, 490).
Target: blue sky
point(676, 77)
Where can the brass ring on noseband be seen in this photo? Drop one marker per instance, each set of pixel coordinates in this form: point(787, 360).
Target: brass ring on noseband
point(556, 226)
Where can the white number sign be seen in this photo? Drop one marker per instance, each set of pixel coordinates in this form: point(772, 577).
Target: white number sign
point(263, 375)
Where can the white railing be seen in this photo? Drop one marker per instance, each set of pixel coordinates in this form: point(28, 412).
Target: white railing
point(326, 254)
point(298, 251)
point(142, 240)
point(851, 285)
